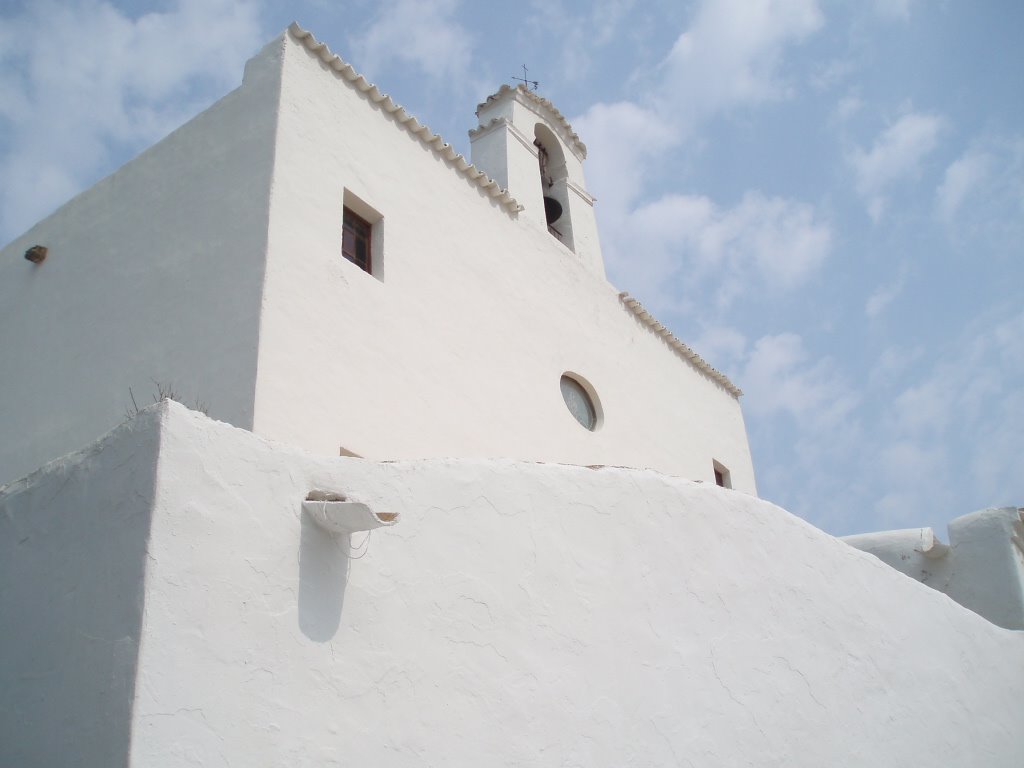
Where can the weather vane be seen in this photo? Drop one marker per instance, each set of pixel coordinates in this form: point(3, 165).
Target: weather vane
point(524, 81)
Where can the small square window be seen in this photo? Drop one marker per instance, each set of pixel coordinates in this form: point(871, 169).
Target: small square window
point(356, 240)
point(722, 476)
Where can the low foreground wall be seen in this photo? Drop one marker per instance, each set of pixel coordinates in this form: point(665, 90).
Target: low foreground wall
point(982, 567)
point(516, 614)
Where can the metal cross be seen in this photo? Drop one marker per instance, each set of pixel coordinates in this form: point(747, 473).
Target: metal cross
point(524, 81)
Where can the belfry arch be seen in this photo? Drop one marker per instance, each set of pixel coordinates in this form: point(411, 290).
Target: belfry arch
point(553, 181)
point(529, 149)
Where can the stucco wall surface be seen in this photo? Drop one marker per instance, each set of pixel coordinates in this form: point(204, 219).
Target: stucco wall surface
point(981, 568)
point(530, 614)
point(455, 346)
point(153, 275)
point(72, 559)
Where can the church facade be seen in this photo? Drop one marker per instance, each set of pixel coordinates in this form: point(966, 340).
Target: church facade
point(521, 555)
point(307, 261)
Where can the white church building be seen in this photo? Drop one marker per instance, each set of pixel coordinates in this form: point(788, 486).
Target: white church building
point(212, 264)
point(457, 500)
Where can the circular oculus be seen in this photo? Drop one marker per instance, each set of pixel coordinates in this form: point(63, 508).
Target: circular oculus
point(579, 402)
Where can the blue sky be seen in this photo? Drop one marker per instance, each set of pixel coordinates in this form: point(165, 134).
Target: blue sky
point(825, 199)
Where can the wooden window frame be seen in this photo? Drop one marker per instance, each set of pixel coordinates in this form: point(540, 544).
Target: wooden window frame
point(354, 229)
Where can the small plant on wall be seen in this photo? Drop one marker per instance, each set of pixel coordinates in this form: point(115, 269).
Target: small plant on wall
point(165, 391)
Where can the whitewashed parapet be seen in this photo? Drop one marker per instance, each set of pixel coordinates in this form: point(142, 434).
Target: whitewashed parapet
point(680, 348)
point(555, 118)
point(430, 139)
point(981, 567)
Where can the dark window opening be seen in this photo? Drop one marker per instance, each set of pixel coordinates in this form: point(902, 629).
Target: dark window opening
point(723, 477)
point(355, 240)
point(554, 184)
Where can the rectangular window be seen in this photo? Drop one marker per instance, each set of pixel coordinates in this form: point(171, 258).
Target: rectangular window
point(356, 240)
point(722, 476)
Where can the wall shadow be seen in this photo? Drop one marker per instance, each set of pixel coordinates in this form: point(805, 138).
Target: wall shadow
point(323, 577)
point(73, 561)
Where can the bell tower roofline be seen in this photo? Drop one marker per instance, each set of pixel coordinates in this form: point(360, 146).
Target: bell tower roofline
point(490, 110)
point(528, 147)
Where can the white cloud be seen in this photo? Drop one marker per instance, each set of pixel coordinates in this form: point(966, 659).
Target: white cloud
point(896, 154)
point(762, 242)
point(905, 463)
point(962, 177)
point(933, 435)
point(423, 33)
point(828, 76)
point(886, 294)
point(101, 83)
point(783, 237)
point(626, 139)
point(893, 9)
point(951, 436)
point(725, 345)
point(892, 366)
point(1007, 339)
point(781, 378)
point(606, 18)
point(980, 198)
point(925, 408)
point(993, 404)
point(731, 55)
point(847, 107)
point(578, 37)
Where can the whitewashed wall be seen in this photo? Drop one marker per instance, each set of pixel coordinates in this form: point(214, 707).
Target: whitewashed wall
point(456, 346)
point(154, 274)
point(72, 585)
point(518, 614)
point(981, 568)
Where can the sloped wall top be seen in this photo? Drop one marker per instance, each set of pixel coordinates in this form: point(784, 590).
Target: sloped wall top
point(422, 132)
point(680, 348)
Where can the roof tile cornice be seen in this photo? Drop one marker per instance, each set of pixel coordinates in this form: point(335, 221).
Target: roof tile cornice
point(553, 116)
point(428, 138)
point(680, 348)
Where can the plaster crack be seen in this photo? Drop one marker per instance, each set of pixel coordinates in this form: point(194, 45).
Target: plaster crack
point(671, 747)
point(729, 693)
point(791, 668)
point(481, 603)
point(477, 644)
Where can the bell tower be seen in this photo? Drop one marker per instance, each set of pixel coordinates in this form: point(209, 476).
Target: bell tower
point(525, 144)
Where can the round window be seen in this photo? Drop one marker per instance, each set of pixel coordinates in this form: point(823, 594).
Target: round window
point(579, 402)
